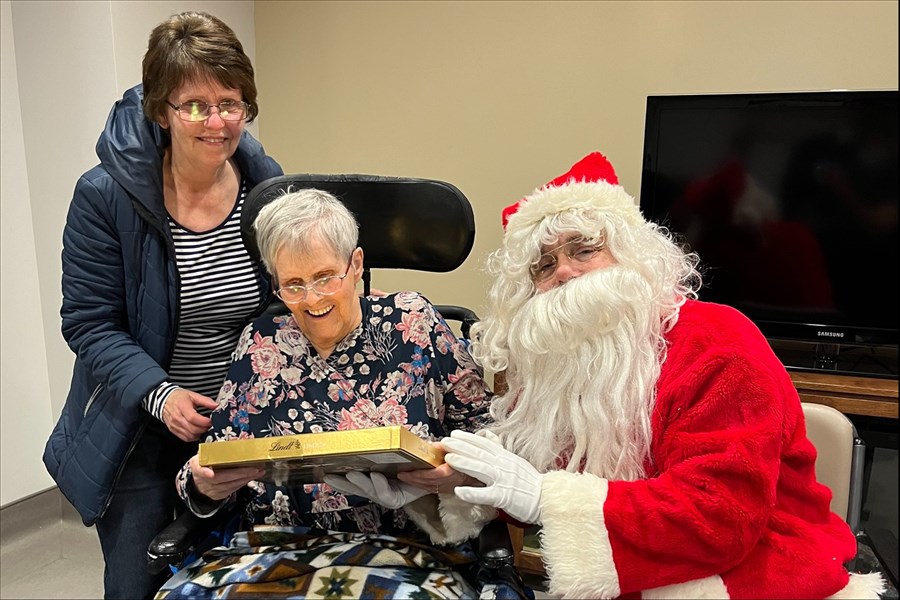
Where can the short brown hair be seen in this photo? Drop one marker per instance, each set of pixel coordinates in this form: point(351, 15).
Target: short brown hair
point(194, 46)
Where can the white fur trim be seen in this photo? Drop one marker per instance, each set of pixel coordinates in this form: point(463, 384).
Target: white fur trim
point(449, 520)
point(862, 586)
point(424, 513)
point(700, 589)
point(574, 540)
point(575, 195)
point(463, 520)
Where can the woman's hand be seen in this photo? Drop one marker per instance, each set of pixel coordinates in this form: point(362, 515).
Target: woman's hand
point(442, 479)
point(181, 417)
point(222, 484)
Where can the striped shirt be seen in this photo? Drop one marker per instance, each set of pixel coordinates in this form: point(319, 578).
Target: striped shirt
point(218, 294)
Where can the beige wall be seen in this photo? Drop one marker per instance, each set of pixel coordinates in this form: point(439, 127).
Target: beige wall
point(500, 97)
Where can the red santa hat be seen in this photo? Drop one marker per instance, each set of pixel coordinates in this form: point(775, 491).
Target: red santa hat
point(590, 183)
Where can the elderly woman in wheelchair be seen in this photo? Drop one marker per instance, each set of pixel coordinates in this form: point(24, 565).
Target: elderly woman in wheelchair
point(336, 361)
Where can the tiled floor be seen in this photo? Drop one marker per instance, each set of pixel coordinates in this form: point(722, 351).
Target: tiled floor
point(61, 560)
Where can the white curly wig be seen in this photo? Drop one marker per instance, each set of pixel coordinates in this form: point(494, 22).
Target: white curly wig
point(601, 334)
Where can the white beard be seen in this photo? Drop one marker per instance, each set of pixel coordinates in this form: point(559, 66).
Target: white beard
point(584, 362)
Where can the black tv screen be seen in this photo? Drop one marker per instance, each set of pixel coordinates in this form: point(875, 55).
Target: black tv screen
point(790, 200)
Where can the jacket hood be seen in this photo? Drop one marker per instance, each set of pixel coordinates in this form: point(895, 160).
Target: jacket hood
point(131, 149)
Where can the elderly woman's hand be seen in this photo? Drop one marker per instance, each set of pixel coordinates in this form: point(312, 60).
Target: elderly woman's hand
point(218, 485)
point(443, 479)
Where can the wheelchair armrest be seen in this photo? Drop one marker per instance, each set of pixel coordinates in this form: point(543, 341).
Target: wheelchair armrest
point(495, 546)
point(173, 544)
point(497, 560)
point(465, 316)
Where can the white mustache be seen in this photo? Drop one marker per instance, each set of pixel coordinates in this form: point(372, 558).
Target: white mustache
point(585, 307)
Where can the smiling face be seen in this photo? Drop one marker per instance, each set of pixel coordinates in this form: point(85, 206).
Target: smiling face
point(325, 320)
point(205, 144)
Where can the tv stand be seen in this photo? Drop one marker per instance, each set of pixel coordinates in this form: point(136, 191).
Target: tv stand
point(837, 359)
point(852, 395)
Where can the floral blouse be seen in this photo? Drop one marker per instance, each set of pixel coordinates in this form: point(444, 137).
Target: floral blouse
point(402, 366)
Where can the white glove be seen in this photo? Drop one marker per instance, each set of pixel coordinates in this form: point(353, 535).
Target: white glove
point(512, 484)
point(389, 493)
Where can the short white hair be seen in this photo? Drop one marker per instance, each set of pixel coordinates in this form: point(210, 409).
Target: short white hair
point(298, 218)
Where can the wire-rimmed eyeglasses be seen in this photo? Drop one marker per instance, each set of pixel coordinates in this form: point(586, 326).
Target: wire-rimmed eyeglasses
point(195, 111)
point(579, 249)
point(325, 286)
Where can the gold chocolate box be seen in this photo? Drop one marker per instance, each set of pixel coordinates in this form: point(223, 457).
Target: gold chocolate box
point(307, 457)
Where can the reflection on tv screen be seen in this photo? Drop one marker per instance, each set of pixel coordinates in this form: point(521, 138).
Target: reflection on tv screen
point(791, 201)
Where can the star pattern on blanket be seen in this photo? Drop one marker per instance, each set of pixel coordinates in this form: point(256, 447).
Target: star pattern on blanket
point(337, 584)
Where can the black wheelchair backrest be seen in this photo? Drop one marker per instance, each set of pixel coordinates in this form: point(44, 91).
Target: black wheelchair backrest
point(419, 224)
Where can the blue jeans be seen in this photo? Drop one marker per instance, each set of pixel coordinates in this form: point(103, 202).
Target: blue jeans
point(143, 503)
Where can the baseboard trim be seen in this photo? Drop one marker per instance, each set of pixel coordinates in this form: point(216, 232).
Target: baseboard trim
point(34, 512)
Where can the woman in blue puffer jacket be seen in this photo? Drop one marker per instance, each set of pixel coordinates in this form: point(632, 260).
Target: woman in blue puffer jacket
point(157, 286)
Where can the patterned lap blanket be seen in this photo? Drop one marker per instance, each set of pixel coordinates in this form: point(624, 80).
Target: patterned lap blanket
point(287, 562)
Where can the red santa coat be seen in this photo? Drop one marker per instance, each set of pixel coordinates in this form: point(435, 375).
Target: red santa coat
point(730, 507)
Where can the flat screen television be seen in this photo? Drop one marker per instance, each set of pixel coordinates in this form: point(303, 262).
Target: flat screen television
point(791, 202)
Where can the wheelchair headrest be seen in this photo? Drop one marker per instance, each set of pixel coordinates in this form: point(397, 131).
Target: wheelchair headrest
point(419, 224)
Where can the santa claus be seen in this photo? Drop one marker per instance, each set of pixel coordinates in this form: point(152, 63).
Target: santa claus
point(655, 438)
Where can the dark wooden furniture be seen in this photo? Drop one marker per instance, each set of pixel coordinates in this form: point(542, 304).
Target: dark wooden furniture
point(868, 396)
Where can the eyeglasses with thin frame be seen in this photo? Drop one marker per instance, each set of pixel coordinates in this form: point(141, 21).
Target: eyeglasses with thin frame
point(580, 250)
point(195, 111)
point(324, 286)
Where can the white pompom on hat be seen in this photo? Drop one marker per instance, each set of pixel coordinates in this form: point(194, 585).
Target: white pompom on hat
point(590, 183)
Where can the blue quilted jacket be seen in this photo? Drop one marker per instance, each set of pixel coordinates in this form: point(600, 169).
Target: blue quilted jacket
point(120, 301)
